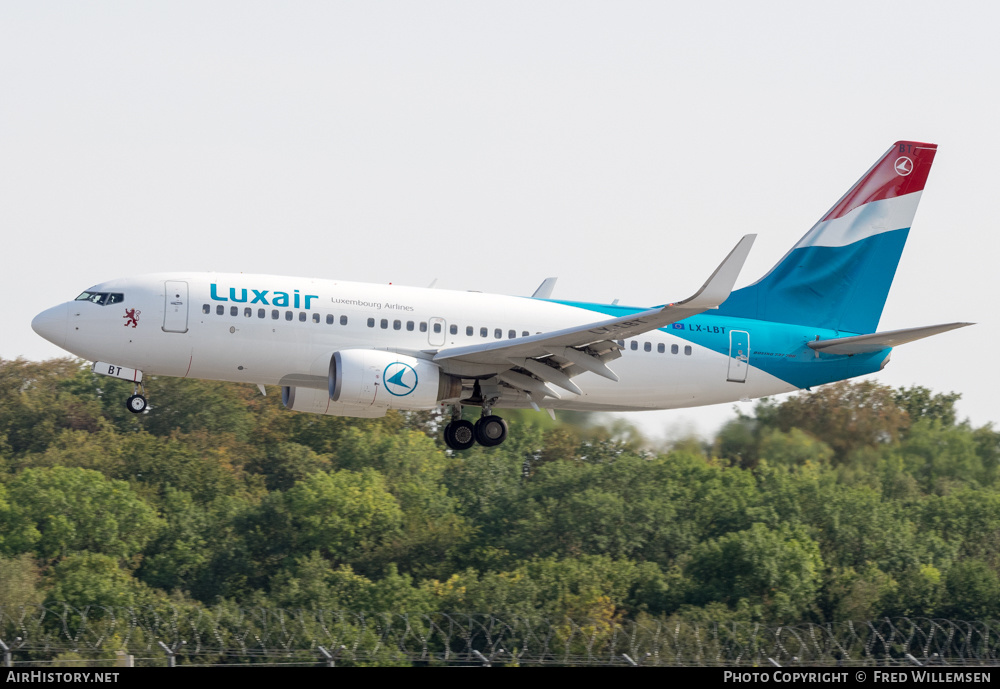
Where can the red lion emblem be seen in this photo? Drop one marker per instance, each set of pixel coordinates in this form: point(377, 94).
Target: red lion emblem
point(133, 317)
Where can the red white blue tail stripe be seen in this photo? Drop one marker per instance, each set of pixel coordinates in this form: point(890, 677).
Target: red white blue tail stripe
point(838, 275)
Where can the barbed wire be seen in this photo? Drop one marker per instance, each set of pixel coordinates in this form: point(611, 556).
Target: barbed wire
point(227, 635)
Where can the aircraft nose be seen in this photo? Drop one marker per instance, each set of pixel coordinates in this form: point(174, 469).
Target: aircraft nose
point(52, 324)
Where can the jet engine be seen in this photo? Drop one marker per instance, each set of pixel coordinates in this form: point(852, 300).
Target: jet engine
point(314, 401)
point(374, 378)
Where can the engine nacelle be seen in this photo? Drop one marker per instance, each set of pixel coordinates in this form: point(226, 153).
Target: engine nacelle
point(376, 378)
point(314, 401)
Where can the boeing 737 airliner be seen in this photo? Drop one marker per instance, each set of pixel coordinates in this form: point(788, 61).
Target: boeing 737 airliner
point(354, 349)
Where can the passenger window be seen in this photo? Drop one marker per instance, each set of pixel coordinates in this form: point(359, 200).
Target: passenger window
point(220, 310)
point(453, 329)
point(647, 347)
point(260, 313)
point(437, 327)
point(524, 333)
point(288, 315)
point(498, 333)
point(329, 319)
point(234, 311)
point(661, 348)
point(410, 325)
point(302, 316)
point(274, 314)
point(343, 320)
point(371, 322)
point(247, 312)
point(468, 330)
point(316, 318)
point(483, 332)
point(423, 326)
point(674, 349)
point(687, 349)
point(621, 343)
point(511, 334)
point(207, 308)
point(384, 323)
point(397, 325)
point(634, 345)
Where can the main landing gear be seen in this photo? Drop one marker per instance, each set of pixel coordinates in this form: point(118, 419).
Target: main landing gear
point(137, 402)
point(460, 434)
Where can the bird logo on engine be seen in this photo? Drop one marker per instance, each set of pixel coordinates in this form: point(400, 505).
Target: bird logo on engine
point(400, 379)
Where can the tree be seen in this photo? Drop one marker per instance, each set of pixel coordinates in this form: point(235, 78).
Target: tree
point(63, 509)
point(347, 516)
point(846, 416)
point(85, 578)
point(20, 581)
point(779, 568)
point(972, 591)
point(940, 456)
point(35, 403)
point(920, 403)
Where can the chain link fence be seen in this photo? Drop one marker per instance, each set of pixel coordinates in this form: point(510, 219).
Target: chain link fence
point(61, 634)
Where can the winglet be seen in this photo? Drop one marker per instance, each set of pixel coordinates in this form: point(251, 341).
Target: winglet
point(544, 290)
point(719, 286)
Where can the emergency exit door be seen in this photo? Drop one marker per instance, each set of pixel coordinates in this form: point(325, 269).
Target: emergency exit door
point(739, 355)
point(175, 308)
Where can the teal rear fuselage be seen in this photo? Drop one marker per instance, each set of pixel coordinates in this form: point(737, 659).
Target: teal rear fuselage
point(779, 349)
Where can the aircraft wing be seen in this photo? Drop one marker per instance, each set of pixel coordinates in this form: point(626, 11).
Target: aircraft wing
point(862, 344)
point(588, 347)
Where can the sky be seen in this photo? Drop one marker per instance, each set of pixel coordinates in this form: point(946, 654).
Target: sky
point(623, 147)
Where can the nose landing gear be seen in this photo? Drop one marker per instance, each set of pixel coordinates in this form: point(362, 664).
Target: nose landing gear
point(137, 402)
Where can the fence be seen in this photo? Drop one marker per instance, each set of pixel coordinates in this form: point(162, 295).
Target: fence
point(35, 635)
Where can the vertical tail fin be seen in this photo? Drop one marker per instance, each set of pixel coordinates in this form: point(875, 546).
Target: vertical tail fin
point(839, 273)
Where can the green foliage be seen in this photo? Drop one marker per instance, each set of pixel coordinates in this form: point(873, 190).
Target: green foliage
point(19, 581)
point(777, 571)
point(919, 403)
point(854, 501)
point(846, 416)
point(83, 579)
point(972, 591)
point(57, 511)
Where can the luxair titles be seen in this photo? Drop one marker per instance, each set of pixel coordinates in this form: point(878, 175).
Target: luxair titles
point(294, 300)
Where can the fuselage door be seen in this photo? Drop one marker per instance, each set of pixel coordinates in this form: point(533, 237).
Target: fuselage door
point(175, 308)
point(739, 355)
point(435, 332)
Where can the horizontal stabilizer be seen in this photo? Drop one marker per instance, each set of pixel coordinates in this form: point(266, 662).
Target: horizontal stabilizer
point(861, 344)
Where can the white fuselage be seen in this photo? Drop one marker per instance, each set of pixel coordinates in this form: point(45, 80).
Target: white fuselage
point(271, 330)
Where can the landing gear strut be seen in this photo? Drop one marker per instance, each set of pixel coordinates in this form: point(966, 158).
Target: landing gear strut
point(137, 402)
point(489, 431)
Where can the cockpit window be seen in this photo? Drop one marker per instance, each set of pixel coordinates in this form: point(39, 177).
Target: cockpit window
point(102, 298)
